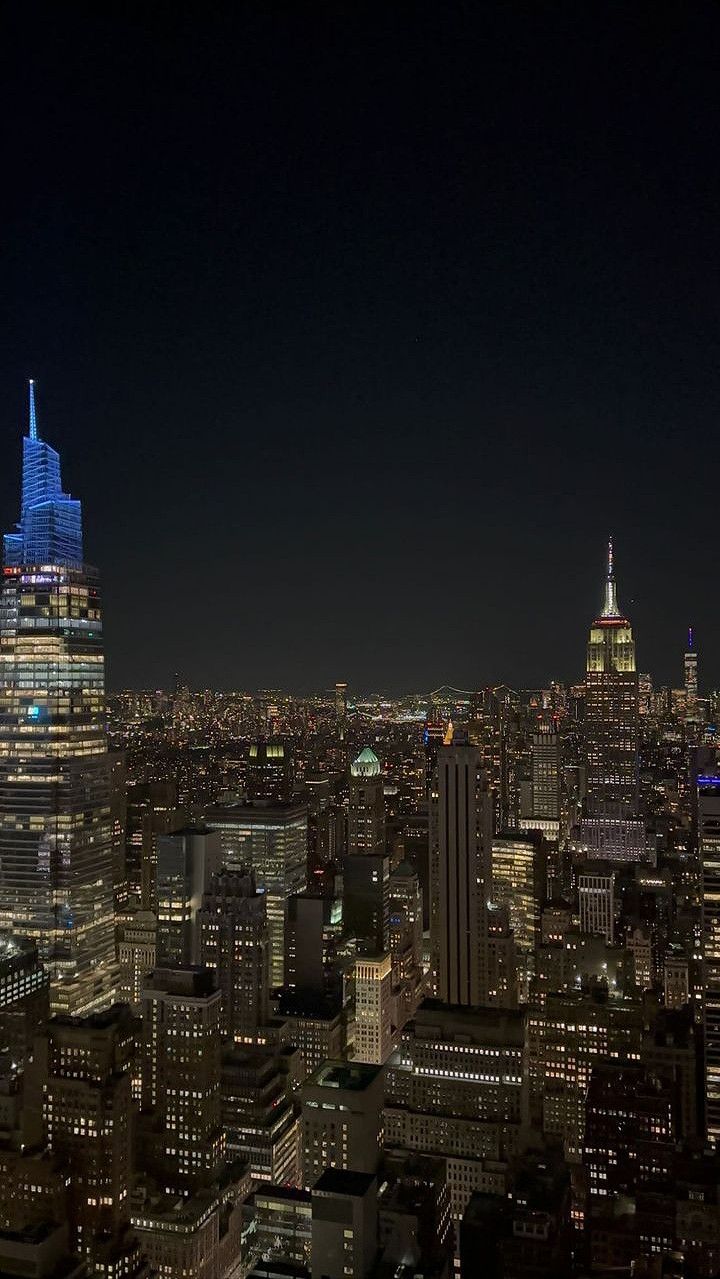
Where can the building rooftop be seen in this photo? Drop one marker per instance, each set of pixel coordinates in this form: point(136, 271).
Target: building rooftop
point(289, 1194)
point(189, 981)
point(352, 1076)
point(433, 1013)
point(310, 1004)
point(367, 764)
point(342, 1181)
point(254, 810)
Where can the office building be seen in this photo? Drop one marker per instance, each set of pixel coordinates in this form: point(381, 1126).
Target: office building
point(344, 1224)
point(327, 821)
point(708, 791)
point(186, 863)
point(137, 954)
point(88, 1115)
point(545, 775)
point(260, 1117)
point(366, 898)
point(24, 996)
point(270, 772)
point(615, 835)
point(676, 977)
point(315, 1025)
point(414, 1222)
point(527, 1235)
point(118, 825)
point(197, 1235)
point(405, 920)
point(519, 883)
point(566, 1038)
point(152, 810)
point(461, 875)
point(366, 805)
point(312, 934)
point(271, 840)
point(630, 1130)
point(373, 1009)
point(611, 706)
point(691, 678)
point(235, 946)
point(183, 1141)
point(456, 1089)
point(56, 871)
point(281, 1224)
point(508, 971)
point(596, 895)
point(342, 1119)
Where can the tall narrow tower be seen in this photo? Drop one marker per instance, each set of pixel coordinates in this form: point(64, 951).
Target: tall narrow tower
point(461, 874)
point(611, 706)
point(56, 857)
point(366, 807)
point(691, 677)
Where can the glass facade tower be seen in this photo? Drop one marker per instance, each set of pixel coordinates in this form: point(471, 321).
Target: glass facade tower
point(56, 859)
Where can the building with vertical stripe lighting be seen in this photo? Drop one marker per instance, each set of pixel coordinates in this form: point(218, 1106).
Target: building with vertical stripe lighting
point(461, 875)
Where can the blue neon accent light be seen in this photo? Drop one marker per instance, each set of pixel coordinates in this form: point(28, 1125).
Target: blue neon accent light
point(50, 527)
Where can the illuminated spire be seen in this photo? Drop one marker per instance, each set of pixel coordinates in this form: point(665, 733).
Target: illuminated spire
point(610, 608)
point(33, 422)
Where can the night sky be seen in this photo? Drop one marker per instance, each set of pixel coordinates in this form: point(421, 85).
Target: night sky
point(360, 326)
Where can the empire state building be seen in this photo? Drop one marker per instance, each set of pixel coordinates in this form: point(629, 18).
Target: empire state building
point(611, 707)
point(56, 881)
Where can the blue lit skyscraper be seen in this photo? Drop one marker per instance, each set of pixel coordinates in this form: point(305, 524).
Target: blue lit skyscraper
point(56, 870)
point(50, 528)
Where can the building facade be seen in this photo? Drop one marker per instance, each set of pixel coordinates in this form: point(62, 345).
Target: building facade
point(460, 875)
point(611, 706)
point(56, 849)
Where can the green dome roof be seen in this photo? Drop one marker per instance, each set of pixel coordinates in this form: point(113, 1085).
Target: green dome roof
point(367, 764)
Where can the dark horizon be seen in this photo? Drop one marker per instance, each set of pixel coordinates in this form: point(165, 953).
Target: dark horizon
point(358, 335)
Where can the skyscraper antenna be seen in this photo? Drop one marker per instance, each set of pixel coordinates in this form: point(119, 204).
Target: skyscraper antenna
point(33, 422)
point(610, 607)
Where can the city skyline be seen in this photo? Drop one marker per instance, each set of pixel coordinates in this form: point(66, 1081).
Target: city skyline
point(72, 535)
point(433, 343)
point(366, 922)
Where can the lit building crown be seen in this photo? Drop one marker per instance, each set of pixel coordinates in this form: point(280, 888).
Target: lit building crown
point(50, 526)
point(367, 764)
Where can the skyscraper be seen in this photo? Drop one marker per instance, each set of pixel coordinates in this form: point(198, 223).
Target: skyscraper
point(366, 808)
point(709, 837)
point(234, 943)
point(341, 711)
point(691, 677)
point(545, 755)
point(270, 771)
point(185, 1144)
point(56, 853)
point(89, 1118)
point(373, 1003)
point(271, 840)
point(611, 706)
point(186, 863)
point(461, 875)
